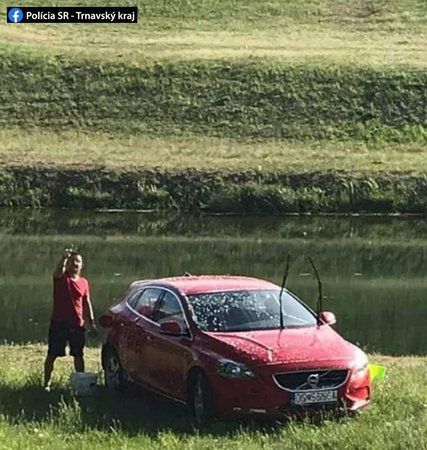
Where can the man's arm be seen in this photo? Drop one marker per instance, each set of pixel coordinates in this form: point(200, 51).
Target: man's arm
point(88, 310)
point(60, 268)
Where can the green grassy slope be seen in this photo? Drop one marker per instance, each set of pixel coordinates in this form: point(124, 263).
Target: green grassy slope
point(279, 86)
point(287, 70)
point(241, 100)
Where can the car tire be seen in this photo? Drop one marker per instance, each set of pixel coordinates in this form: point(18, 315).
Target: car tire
point(201, 400)
point(114, 375)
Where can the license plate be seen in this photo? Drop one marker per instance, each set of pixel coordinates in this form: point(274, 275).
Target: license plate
point(305, 398)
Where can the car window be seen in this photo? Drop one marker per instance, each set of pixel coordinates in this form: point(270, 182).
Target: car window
point(146, 302)
point(132, 297)
point(169, 308)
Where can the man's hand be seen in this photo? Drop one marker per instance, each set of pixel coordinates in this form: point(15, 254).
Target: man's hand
point(60, 268)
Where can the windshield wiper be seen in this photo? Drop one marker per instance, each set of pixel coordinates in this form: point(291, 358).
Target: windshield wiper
point(319, 305)
point(285, 277)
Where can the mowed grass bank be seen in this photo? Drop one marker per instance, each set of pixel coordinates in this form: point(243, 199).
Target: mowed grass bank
point(294, 43)
point(234, 15)
point(75, 149)
point(384, 32)
point(31, 418)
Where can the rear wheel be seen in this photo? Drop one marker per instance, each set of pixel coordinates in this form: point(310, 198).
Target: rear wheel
point(200, 399)
point(114, 375)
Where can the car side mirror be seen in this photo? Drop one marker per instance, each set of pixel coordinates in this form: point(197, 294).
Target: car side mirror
point(171, 328)
point(328, 317)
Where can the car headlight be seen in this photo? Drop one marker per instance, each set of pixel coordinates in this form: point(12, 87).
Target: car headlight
point(361, 363)
point(360, 367)
point(232, 369)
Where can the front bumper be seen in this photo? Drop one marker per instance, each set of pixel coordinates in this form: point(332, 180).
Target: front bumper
point(263, 397)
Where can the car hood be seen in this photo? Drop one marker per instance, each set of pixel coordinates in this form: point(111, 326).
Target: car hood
point(299, 346)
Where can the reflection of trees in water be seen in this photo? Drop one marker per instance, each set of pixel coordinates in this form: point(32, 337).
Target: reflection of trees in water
point(155, 224)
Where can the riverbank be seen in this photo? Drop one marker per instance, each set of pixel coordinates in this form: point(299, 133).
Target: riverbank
point(215, 191)
point(30, 418)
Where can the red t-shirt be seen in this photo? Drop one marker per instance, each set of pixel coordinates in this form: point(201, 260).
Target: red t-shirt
point(68, 296)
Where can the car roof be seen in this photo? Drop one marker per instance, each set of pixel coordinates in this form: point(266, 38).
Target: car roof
point(203, 284)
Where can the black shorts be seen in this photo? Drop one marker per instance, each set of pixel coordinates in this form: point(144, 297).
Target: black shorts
point(61, 334)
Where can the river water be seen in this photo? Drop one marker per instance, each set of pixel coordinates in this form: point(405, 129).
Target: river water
point(372, 268)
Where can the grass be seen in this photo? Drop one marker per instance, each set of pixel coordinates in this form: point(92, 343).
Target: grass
point(294, 44)
point(223, 191)
point(362, 32)
point(293, 87)
point(78, 149)
point(31, 418)
point(237, 14)
point(236, 100)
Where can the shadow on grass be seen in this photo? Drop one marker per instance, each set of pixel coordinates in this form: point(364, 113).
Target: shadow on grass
point(133, 412)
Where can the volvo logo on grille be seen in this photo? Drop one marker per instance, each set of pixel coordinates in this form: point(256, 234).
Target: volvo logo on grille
point(313, 380)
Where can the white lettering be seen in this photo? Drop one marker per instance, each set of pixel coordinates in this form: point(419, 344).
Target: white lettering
point(63, 15)
point(96, 17)
point(129, 17)
point(39, 15)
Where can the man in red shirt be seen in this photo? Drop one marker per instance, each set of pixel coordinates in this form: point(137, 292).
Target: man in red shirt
point(71, 305)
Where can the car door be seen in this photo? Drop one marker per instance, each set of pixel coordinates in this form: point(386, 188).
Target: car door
point(126, 335)
point(166, 357)
point(141, 331)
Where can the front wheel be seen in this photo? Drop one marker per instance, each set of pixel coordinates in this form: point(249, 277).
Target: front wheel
point(114, 375)
point(201, 400)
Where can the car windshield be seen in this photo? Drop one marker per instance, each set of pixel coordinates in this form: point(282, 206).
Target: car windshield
point(248, 311)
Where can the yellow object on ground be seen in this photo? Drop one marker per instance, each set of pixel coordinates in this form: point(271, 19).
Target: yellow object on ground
point(377, 372)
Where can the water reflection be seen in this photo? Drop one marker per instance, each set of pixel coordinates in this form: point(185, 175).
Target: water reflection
point(372, 268)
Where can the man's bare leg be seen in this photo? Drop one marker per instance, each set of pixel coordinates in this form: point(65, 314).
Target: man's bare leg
point(79, 364)
point(48, 369)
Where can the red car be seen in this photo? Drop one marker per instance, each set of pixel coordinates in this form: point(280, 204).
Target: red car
point(220, 345)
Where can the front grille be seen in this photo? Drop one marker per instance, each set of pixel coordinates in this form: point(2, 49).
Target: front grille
point(306, 380)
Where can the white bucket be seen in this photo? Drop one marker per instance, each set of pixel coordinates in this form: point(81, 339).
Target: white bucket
point(84, 383)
